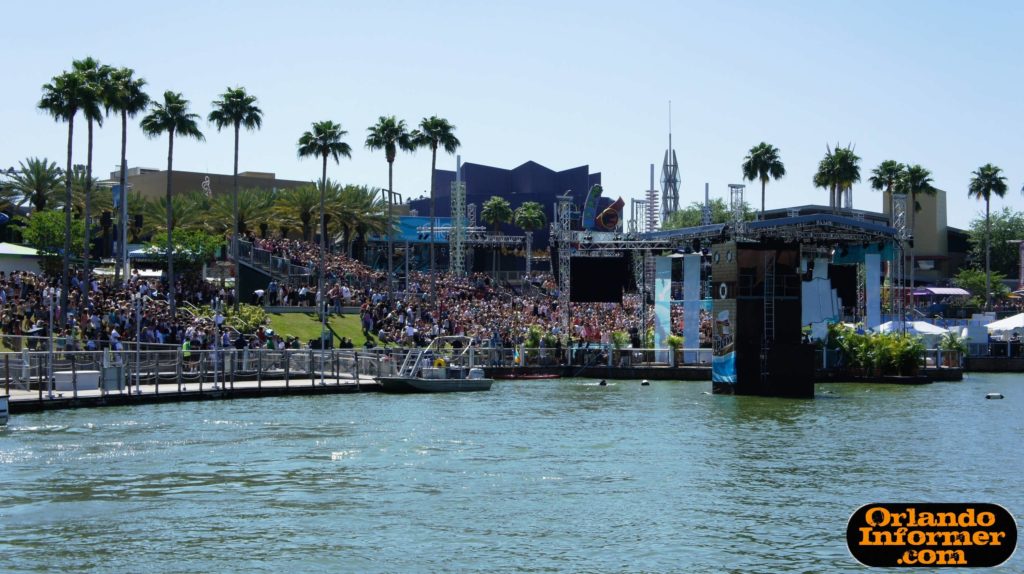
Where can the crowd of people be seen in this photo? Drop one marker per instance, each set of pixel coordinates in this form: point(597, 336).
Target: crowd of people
point(103, 313)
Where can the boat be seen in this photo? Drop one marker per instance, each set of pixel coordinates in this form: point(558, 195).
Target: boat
point(442, 367)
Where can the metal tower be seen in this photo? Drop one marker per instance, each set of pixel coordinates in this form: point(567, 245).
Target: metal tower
point(653, 218)
point(669, 175)
point(896, 288)
point(638, 215)
point(736, 206)
point(457, 239)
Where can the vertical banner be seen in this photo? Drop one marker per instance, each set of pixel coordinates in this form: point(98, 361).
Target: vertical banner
point(725, 274)
point(691, 306)
point(662, 303)
point(873, 289)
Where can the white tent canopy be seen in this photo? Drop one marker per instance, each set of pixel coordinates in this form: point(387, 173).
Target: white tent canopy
point(913, 327)
point(1007, 325)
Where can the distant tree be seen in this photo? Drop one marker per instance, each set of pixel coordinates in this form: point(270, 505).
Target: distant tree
point(250, 208)
point(38, 181)
point(46, 232)
point(297, 207)
point(173, 118)
point(496, 211)
point(191, 247)
point(976, 282)
point(390, 134)
point(914, 182)
point(1004, 225)
point(837, 172)
point(530, 216)
point(435, 132)
point(236, 109)
point(97, 77)
point(691, 215)
point(125, 96)
point(62, 99)
point(761, 164)
point(987, 180)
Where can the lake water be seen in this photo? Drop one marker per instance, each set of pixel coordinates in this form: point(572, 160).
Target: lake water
point(538, 476)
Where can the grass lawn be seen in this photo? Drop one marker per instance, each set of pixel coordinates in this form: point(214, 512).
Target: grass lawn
point(306, 326)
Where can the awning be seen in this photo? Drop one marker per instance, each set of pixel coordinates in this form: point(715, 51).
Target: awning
point(926, 291)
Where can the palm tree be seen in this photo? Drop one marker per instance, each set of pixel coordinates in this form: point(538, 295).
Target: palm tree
point(496, 211)
point(837, 172)
point(356, 210)
point(251, 206)
point(529, 217)
point(916, 180)
point(96, 77)
point(173, 118)
point(62, 98)
point(987, 180)
point(389, 134)
point(296, 207)
point(80, 182)
point(190, 211)
point(884, 178)
point(435, 132)
point(324, 141)
point(763, 163)
point(236, 109)
point(37, 181)
point(124, 96)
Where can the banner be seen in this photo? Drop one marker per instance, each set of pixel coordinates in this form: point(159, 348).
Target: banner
point(691, 306)
point(873, 290)
point(662, 302)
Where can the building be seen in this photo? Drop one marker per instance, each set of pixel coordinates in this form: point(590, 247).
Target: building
point(528, 182)
point(153, 182)
point(930, 246)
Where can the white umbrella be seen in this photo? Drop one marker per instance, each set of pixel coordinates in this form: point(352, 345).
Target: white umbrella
point(913, 327)
point(1009, 324)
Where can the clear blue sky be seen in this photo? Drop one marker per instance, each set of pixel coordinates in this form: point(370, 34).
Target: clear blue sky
point(560, 83)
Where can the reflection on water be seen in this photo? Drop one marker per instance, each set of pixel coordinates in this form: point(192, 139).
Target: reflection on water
point(532, 476)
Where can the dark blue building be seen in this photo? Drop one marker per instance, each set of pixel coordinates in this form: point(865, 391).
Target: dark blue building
point(528, 182)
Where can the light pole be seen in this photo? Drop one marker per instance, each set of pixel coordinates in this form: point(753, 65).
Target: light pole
point(49, 349)
point(138, 344)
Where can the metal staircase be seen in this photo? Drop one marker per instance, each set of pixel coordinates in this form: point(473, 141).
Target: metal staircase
point(768, 331)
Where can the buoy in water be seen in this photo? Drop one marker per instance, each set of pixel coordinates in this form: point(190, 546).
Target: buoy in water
point(994, 396)
point(645, 383)
point(603, 383)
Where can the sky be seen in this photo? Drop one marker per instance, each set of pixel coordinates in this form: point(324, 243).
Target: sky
point(564, 84)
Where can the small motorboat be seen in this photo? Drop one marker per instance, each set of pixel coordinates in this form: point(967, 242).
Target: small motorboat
point(442, 367)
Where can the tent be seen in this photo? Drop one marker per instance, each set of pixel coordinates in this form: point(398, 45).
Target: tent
point(1007, 325)
point(930, 333)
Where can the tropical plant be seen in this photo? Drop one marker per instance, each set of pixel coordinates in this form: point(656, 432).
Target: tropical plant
point(976, 282)
point(435, 132)
point(62, 99)
point(956, 346)
point(529, 216)
point(837, 172)
point(692, 215)
point(96, 77)
point(496, 211)
point(81, 183)
point(355, 211)
point(189, 211)
point(37, 181)
point(620, 339)
point(1005, 226)
point(762, 164)
point(674, 342)
point(987, 180)
point(249, 208)
point(173, 118)
point(46, 231)
point(296, 207)
point(191, 245)
point(124, 95)
point(390, 134)
point(236, 109)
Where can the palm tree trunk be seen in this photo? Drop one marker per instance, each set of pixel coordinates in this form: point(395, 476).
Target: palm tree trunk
point(433, 279)
point(913, 259)
point(391, 226)
point(323, 241)
point(234, 221)
point(86, 246)
point(763, 182)
point(122, 213)
point(170, 227)
point(988, 269)
point(65, 271)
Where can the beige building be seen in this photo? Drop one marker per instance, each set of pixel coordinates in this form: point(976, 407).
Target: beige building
point(153, 182)
point(931, 237)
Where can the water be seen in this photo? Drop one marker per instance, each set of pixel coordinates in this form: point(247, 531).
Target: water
point(538, 476)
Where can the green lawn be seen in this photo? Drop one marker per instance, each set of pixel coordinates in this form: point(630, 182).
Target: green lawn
point(306, 326)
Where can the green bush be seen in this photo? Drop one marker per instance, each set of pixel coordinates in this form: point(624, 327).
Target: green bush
point(620, 339)
point(674, 342)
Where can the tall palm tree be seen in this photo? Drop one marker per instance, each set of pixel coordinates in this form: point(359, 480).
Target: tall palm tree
point(916, 180)
point(987, 180)
point(763, 163)
point(125, 96)
point(296, 207)
point(251, 206)
point(496, 211)
point(236, 109)
point(173, 118)
point(97, 77)
point(189, 211)
point(435, 132)
point(390, 134)
point(529, 217)
point(62, 98)
point(884, 178)
point(324, 141)
point(37, 181)
point(837, 172)
point(80, 182)
point(355, 211)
